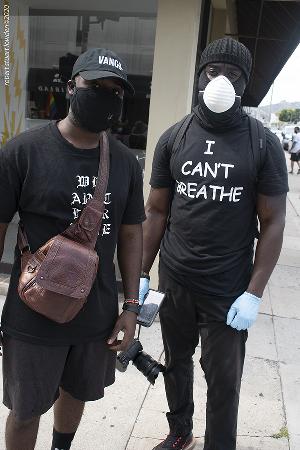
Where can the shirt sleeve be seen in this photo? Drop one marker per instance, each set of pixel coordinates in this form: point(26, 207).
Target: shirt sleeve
point(273, 177)
point(134, 212)
point(10, 183)
point(161, 176)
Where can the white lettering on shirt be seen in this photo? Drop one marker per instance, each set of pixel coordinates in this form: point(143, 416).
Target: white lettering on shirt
point(227, 166)
point(183, 167)
point(75, 198)
point(81, 197)
point(203, 192)
point(198, 169)
point(212, 192)
point(205, 169)
point(82, 181)
point(237, 191)
point(210, 143)
point(86, 198)
point(218, 171)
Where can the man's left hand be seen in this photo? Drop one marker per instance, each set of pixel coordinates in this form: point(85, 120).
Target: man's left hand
point(243, 311)
point(126, 323)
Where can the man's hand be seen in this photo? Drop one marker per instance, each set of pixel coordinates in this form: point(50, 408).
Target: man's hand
point(143, 290)
point(126, 323)
point(243, 311)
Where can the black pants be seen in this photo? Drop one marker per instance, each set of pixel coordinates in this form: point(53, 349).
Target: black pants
point(184, 315)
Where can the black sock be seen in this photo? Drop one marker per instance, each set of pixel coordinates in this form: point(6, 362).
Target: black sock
point(62, 441)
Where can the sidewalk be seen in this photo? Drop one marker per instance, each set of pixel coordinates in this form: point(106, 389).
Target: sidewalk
point(132, 415)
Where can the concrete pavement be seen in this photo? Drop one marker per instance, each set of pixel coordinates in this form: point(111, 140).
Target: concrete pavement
point(132, 414)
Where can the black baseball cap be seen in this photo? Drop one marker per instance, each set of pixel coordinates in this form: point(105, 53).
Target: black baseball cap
point(101, 63)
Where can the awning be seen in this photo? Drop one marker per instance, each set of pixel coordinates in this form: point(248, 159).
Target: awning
point(271, 31)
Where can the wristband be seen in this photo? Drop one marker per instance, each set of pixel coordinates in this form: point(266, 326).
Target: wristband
point(132, 307)
point(145, 275)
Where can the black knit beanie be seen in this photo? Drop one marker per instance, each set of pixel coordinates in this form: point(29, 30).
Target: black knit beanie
point(227, 50)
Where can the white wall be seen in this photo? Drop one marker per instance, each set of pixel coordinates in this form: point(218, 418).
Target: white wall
point(173, 69)
point(176, 42)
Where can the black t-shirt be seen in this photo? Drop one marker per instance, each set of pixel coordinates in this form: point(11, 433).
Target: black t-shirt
point(48, 181)
point(208, 242)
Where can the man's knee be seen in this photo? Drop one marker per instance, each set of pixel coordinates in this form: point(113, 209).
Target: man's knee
point(181, 362)
point(18, 424)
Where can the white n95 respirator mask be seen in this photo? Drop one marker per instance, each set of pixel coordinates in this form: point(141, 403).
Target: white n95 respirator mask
point(219, 95)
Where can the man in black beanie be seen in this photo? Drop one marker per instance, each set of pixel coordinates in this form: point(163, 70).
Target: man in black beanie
point(207, 190)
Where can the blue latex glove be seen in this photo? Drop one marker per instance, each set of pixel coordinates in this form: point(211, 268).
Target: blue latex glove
point(144, 288)
point(243, 311)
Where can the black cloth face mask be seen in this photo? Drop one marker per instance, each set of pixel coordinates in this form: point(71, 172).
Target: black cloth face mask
point(224, 120)
point(95, 109)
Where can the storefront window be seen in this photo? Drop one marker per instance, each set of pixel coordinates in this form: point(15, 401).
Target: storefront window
point(56, 40)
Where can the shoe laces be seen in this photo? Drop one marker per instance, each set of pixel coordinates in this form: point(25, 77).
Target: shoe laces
point(177, 441)
point(174, 441)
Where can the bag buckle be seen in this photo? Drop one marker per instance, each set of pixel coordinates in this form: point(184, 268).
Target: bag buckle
point(31, 269)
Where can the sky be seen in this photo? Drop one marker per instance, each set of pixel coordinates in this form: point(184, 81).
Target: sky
point(287, 83)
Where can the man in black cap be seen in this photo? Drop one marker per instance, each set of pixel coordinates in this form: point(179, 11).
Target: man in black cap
point(48, 174)
point(206, 192)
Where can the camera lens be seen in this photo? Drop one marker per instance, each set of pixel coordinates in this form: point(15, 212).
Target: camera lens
point(148, 366)
point(129, 355)
point(141, 360)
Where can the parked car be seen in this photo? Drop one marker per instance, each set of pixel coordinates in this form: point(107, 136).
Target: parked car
point(288, 130)
point(286, 136)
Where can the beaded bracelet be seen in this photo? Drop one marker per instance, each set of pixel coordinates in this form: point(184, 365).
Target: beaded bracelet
point(131, 300)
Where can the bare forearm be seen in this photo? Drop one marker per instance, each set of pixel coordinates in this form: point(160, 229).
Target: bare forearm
point(153, 231)
point(130, 247)
point(266, 256)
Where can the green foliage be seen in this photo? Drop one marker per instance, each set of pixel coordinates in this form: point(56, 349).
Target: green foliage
point(283, 433)
point(290, 115)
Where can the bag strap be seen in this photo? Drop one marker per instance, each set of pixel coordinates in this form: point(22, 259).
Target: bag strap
point(22, 240)
point(178, 133)
point(258, 147)
point(258, 143)
point(86, 229)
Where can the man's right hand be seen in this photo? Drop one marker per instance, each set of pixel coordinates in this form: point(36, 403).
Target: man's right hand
point(143, 290)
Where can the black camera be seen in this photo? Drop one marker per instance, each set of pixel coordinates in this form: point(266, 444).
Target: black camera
point(141, 360)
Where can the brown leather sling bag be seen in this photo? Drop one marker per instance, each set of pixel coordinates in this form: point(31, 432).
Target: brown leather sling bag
point(56, 280)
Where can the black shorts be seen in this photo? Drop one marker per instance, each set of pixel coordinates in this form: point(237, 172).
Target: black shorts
point(33, 373)
point(295, 157)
